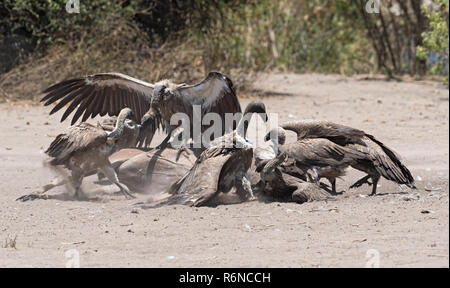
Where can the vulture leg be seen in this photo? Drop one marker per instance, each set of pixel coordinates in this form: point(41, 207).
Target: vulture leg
point(57, 181)
point(333, 186)
point(365, 180)
point(164, 143)
point(375, 179)
point(243, 187)
point(77, 179)
point(362, 181)
point(173, 133)
point(38, 193)
point(110, 173)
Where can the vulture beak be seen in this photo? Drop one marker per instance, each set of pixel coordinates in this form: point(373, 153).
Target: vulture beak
point(267, 137)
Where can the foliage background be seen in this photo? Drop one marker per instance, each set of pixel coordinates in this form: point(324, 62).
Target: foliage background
point(40, 43)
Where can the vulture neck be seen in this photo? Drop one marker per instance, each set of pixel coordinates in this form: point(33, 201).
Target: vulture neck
point(119, 128)
point(243, 125)
point(252, 108)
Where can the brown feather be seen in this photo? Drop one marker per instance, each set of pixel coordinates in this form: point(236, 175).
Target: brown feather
point(103, 84)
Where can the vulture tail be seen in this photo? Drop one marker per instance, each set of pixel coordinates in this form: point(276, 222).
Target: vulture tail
point(57, 148)
point(391, 167)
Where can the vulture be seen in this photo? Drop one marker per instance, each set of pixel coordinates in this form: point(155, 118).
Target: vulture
point(139, 170)
point(220, 168)
point(128, 139)
point(153, 104)
point(368, 154)
point(316, 158)
point(85, 148)
point(277, 184)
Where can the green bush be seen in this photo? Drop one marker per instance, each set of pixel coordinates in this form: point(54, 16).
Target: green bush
point(435, 40)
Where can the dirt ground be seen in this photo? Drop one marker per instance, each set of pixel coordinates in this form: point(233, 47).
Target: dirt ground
point(405, 228)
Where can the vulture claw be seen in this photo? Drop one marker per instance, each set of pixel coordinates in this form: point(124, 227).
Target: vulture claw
point(31, 197)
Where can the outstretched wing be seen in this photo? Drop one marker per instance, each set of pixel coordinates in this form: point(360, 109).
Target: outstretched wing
point(100, 94)
point(215, 94)
point(337, 133)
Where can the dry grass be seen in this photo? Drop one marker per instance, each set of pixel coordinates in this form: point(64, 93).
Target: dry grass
point(125, 50)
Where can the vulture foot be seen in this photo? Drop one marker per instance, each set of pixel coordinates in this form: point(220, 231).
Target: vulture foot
point(31, 197)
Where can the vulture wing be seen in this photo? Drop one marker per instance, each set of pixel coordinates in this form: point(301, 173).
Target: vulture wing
point(215, 93)
point(337, 133)
point(213, 172)
point(100, 94)
point(320, 152)
point(81, 137)
point(386, 161)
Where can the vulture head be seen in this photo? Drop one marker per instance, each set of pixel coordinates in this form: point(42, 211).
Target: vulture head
point(158, 95)
point(155, 110)
point(253, 107)
point(125, 113)
point(153, 118)
point(277, 134)
point(257, 107)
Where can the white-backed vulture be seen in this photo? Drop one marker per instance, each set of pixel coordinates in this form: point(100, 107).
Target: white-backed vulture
point(85, 148)
point(370, 155)
point(108, 93)
point(141, 171)
point(316, 157)
point(220, 168)
point(276, 184)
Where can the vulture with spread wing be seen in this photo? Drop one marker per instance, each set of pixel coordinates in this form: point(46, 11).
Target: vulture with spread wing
point(153, 104)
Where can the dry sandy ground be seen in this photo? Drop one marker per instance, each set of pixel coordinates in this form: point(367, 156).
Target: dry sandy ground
point(406, 228)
